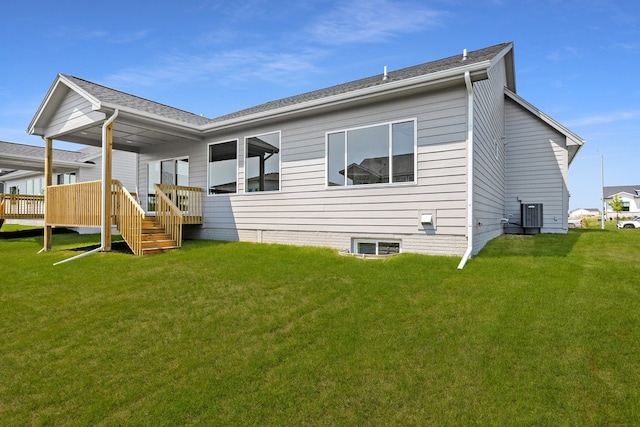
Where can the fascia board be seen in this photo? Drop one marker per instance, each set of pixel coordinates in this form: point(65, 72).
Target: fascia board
point(27, 160)
point(572, 138)
point(477, 70)
point(33, 129)
point(184, 129)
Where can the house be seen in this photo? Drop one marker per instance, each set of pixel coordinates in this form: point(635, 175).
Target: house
point(23, 172)
point(437, 158)
point(630, 197)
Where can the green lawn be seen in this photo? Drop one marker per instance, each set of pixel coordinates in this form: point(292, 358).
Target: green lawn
point(536, 330)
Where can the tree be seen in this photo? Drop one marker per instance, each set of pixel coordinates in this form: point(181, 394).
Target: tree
point(617, 205)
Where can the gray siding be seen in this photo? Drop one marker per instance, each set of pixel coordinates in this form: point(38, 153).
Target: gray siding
point(537, 164)
point(306, 211)
point(124, 169)
point(489, 163)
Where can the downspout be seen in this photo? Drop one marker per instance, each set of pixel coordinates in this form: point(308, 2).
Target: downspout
point(467, 254)
point(105, 188)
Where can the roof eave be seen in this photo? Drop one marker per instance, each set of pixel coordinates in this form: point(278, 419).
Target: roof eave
point(187, 130)
point(34, 128)
point(478, 71)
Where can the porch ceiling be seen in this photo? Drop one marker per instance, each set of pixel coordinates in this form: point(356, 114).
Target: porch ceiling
point(129, 134)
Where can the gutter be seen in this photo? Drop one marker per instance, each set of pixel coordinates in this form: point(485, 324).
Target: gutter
point(467, 254)
point(476, 71)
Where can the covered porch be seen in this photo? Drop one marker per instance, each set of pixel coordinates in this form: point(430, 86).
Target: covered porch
point(81, 112)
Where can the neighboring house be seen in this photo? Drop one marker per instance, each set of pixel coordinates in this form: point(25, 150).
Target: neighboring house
point(23, 167)
point(27, 162)
point(630, 197)
point(438, 158)
point(584, 212)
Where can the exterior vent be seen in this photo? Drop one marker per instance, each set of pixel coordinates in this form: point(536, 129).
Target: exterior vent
point(531, 215)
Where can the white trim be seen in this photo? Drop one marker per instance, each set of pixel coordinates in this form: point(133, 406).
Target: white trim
point(174, 175)
point(572, 138)
point(244, 168)
point(477, 70)
point(356, 241)
point(390, 154)
point(237, 141)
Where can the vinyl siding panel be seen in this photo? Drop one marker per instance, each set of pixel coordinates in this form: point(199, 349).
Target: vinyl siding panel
point(489, 168)
point(537, 164)
point(306, 211)
point(74, 112)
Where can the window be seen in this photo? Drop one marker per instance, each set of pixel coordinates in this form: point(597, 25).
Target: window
point(35, 186)
point(66, 178)
point(378, 154)
point(376, 247)
point(625, 206)
point(262, 163)
point(171, 171)
point(223, 168)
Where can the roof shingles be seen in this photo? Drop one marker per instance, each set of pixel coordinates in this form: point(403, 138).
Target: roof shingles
point(118, 98)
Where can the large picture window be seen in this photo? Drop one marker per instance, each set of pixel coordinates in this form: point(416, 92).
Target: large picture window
point(223, 168)
point(262, 162)
point(378, 154)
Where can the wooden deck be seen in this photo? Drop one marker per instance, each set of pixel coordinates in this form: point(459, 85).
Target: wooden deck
point(17, 206)
point(80, 205)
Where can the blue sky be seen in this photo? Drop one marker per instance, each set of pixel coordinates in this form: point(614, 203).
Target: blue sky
point(575, 60)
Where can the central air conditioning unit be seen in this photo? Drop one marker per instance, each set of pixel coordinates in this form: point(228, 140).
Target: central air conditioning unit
point(531, 215)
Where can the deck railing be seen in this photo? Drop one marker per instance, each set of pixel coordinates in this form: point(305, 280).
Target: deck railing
point(168, 215)
point(187, 199)
point(75, 205)
point(21, 206)
point(128, 217)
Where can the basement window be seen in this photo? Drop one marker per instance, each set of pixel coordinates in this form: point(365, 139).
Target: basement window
point(376, 247)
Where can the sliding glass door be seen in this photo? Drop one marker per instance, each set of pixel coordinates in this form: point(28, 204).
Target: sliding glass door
point(171, 172)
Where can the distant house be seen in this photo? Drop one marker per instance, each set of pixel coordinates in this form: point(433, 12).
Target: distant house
point(584, 212)
point(630, 197)
point(23, 168)
point(438, 158)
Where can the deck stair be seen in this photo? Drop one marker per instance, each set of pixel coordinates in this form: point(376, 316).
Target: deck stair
point(155, 239)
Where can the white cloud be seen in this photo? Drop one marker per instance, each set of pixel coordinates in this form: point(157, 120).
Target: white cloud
point(613, 117)
point(237, 65)
point(564, 53)
point(101, 35)
point(372, 20)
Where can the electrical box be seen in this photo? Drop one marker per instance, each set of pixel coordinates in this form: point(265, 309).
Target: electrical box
point(531, 215)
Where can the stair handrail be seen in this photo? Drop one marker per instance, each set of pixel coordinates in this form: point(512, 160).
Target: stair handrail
point(168, 215)
point(128, 216)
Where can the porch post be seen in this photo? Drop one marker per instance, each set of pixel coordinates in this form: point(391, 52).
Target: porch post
point(107, 187)
point(48, 181)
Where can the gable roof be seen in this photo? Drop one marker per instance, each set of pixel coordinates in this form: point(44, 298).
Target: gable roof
point(574, 142)
point(106, 95)
point(135, 110)
point(481, 56)
point(14, 156)
point(609, 192)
